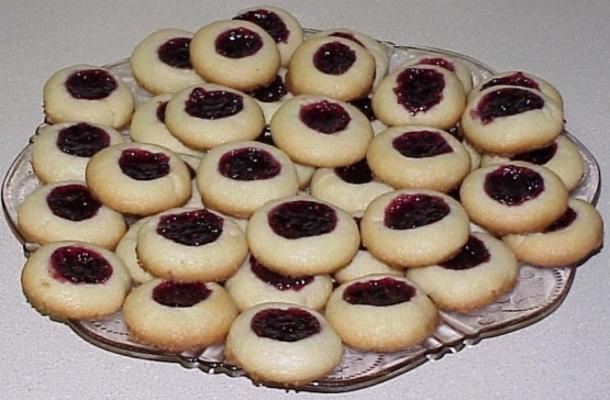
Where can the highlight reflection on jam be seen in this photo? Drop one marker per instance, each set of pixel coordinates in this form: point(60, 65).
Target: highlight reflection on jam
point(249, 164)
point(91, 84)
point(539, 156)
point(269, 21)
point(324, 116)
point(334, 58)
point(419, 89)
point(175, 53)
point(77, 264)
point(380, 292)
point(516, 79)
point(421, 144)
point(472, 254)
point(181, 295)
point(302, 218)
point(364, 105)
point(72, 202)
point(82, 140)
point(289, 325)
point(238, 43)
point(506, 102)
point(513, 185)
point(143, 165)
point(357, 173)
point(410, 211)
point(563, 222)
point(272, 92)
point(280, 282)
point(213, 104)
point(191, 228)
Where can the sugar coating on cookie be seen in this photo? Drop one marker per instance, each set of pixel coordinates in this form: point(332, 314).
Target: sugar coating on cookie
point(461, 71)
point(75, 280)
point(179, 316)
point(126, 251)
point(270, 97)
point(517, 79)
point(381, 313)
point(60, 152)
point(88, 94)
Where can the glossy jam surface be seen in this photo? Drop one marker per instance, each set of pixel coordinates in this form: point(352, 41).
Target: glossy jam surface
point(82, 140)
point(269, 21)
point(213, 104)
point(161, 108)
point(364, 105)
point(513, 185)
point(175, 53)
point(91, 84)
point(238, 43)
point(419, 89)
point(540, 156)
point(516, 79)
point(265, 137)
point(334, 58)
point(410, 211)
point(77, 264)
point(472, 254)
point(563, 222)
point(272, 92)
point(285, 325)
point(380, 292)
point(144, 165)
point(302, 218)
point(421, 144)
point(506, 102)
point(73, 202)
point(191, 228)
point(357, 173)
point(439, 62)
point(249, 164)
point(182, 295)
point(324, 116)
point(280, 282)
point(347, 36)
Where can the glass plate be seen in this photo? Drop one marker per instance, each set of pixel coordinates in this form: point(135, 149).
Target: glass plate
point(538, 292)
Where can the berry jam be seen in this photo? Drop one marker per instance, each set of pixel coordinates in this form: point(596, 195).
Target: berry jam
point(364, 105)
point(82, 140)
point(249, 164)
point(280, 282)
point(191, 228)
point(213, 104)
point(91, 84)
point(174, 294)
point(302, 218)
point(472, 254)
point(540, 156)
point(269, 21)
point(347, 36)
point(325, 117)
point(238, 43)
point(334, 58)
point(421, 144)
point(506, 102)
point(143, 165)
point(410, 211)
point(77, 264)
point(265, 136)
point(357, 173)
point(439, 62)
point(455, 132)
point(512, 185)
point(289, 325)
point(73, 202)
point(380, 293)
point(175, 53)
point(419, 89)
point(161, 111)
point(272, 92)
point(516, 79)
point(563, 222)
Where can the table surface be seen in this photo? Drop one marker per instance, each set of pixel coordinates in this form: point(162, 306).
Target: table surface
point(565, 355)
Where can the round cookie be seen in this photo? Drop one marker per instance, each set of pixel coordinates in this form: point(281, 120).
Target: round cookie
point(331, 66)
point(179, 316)
point(283, 343)
point(75, 280)
point(381, 313)
point(206, 116)
point(139, 178)
point(272, 96)
point(61, 152)
point(238, 54)
point(481, 272)
point(161, 62)
point(460, 70)
point(519, 79)
point(126, 251)
point(68, 211)
point(569, 240)
point(88, 94)
point(363, 264)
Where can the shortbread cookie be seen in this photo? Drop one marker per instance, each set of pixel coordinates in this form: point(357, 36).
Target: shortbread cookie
point(363, 264)
point(192, 164)
point(364, 105)
point(238, 178)
point(272, 96)
point(283, 343)
point(482, 271)
point(61, 152)
point(415, 156)
point(414, 228)
point(569, 240)
point(188, 245)
point(331, 66)
point(161, 62)
point(321, 132)
point(206, 116)
point(299, 236)
point(381, 313)
point(238, 54)
point(126, 251)
point(75, 280)
point(88, 94)
point(67, 211)
point(421, 95)
point(517, 197)
point(460, 70)
point(139, 178)
point(256, 284)
point(519, 79)
point(179, 316)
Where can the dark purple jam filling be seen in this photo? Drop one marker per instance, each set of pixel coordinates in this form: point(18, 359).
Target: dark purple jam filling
point(419, 89)
point(540, 156)
point(161, 111)
point(302, 218)
point(421, 144)
point(91, 84)
point(455, 132)
point(564, 221)
point(73, 202)
point(269, 21)
point(238, 43)
point(512, 185)
point(213, 104)
point(280, 282)
point(410, 211)
point(325, 117)
point(380, 293)
point(364, 105)
point(79, 265)
point(248, 164)
point(191, 228)
point(439, 62)
point(289, 325)
point(272, 92)
point(174, 294)
point(516, 79)
point(175, 53)
point(265, 136)
point(506, 102)
point(143, 165)
point(472, 254)
point(347, 36)
point(357, 173)
point(82, 140)
point(334, 58)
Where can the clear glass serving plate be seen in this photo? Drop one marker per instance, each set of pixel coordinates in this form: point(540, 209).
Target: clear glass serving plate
point(537, 294)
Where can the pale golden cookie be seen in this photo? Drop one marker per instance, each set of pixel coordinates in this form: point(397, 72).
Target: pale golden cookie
point(126, 251)
point(519, 79)
point(460, 70)
point(363, 264)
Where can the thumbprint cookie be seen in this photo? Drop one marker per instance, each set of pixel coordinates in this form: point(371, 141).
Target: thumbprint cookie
point(460, 70)
point(518, 79)
point(272, 96)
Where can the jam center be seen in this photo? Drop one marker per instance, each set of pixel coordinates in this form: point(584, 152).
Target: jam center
point(506, 102)
point(472, 254)
point(238, 43)
point(77, 264)
point(73, 202)
point(410, 211)
point(143, 165)
point(174, 294)
point(289, 325)
point(334, 58)
point(91, 84)
point(82, 140)
point(540, 156)
point(512, 185)
point(365, 106)
point(280, 282)
point(269, 21)
point(191, 228)
point(421, 144)
point(324, 117)
point(175, 53)
point(379, 293)
point(516, 79)
point(302, 218)
point(249, 164)
point(272, 92)
point(564, 221)
point(419, 89)
point(213, 104)
point(357, 173)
